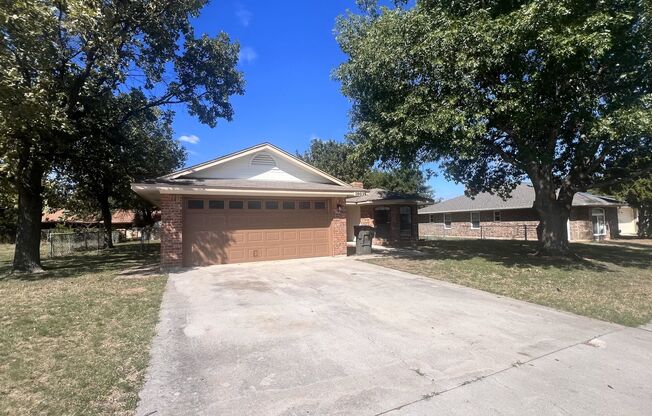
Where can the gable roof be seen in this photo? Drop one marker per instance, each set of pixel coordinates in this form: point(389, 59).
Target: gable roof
point(521, 197)
point(268, 147)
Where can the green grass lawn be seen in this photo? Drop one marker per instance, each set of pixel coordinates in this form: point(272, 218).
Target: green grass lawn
point(75, 340)
point(612, 282)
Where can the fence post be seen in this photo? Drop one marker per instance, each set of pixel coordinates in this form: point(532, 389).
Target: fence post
point(525, 228)
point(481, 236)
point(51, 244)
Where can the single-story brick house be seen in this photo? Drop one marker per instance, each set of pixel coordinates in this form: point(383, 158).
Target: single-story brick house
point(593, 217)
point(260, 203)
point(393, 215)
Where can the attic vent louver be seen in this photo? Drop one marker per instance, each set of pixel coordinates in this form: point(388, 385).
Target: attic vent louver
point(263, 159)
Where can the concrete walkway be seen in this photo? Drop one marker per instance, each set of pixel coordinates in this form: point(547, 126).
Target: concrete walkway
point(334, 336)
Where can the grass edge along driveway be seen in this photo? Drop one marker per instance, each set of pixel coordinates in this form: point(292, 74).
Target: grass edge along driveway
point(612, 282)
point(76, 339)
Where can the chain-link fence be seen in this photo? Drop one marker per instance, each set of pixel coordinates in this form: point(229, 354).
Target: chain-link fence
point(71, 242)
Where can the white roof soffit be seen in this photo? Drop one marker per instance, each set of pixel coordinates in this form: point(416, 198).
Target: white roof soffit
point(264, 146)
point(149, 190)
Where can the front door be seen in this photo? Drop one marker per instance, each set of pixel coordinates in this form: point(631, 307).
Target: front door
point(382, 222)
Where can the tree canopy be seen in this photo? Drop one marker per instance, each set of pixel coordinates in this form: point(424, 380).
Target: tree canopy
point(556, 92)
point(62, 60)
point(341, 160)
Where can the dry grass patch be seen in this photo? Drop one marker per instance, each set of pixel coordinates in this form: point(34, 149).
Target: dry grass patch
point(75, 340)
point(613, 282)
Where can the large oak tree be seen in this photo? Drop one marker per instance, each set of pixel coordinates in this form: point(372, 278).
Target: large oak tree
point(557, 92)
point(60, 57)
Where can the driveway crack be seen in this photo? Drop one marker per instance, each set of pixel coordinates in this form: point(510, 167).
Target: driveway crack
point(502, 370)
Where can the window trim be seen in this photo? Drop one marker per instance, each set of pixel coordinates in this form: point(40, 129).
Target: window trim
point(599, 212)
point(255, 200)
point(203, 204)
point(450, 223)
point(237, 200)
point(500, 216)
point(278, 206)
point(471, 218)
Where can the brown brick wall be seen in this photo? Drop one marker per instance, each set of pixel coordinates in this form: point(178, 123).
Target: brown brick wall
point(338, 227)
point(171, 231)
point(513, 225)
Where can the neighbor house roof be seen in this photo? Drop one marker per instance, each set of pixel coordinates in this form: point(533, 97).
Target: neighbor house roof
point(381, 196)
point(221, 176)
point(64, 216)
point(521, 197)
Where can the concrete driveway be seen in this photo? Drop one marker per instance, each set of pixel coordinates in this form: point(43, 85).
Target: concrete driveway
point(335, 336)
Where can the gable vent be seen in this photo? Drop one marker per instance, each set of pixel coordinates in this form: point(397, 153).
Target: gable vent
point(263, 159)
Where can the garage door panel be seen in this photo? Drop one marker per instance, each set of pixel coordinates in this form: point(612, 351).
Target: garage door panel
point(234, 236)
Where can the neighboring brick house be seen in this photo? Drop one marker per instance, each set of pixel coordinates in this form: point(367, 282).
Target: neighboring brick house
point(393, 215)
point(260, 203)
point(593, 217)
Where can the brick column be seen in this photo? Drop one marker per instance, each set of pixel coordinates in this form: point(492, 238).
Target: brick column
point(171, 231)
point(338, 227)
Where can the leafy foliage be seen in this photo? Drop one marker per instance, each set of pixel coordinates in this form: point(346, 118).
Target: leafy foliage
point(63, 61)
point(558, 92)
point(341, 160)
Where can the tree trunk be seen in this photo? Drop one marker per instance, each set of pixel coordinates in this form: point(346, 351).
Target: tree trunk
point(554, 212)
point(27, 256)
point(107, 221)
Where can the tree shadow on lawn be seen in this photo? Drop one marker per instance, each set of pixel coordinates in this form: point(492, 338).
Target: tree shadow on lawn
point(122, 257)
point(593, 256)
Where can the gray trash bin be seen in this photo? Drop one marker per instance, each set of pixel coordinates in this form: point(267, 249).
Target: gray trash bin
point(365, 235)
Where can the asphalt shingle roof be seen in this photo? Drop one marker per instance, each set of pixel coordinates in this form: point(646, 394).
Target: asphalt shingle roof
point(521, 197)
point(378, 194)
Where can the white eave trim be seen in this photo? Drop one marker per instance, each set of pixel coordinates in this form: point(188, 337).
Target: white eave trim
point(191, 190)
point(261, 147)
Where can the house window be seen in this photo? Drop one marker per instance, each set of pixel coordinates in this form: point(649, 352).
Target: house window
point(214, 204)
point(271, 204)
point(405, 214)
point(236, 204)
point(254, 204)
point(431, 218)
point(288, 204)
point(497, 216)
point(320, 205)
point(304, 205)
point(598, 220)
point(448, 221)
point(195, 204)
point(475, 220)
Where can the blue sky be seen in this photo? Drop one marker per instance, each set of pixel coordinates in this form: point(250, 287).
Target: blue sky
point(288, 51)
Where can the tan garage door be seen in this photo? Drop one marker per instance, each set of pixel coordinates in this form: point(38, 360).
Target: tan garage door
point(218, 231)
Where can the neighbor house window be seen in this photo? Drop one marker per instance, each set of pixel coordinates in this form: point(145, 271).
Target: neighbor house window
point(405, 214)
point(195, 204)
point(213, 204)
point(288, 204)
point(236, 204)
point(497, 216)
point(304, 205)
point(254, 204)
point(475, 220)
point(431, 218)
point(271, 204)
point(320, 205)
point(448, 220)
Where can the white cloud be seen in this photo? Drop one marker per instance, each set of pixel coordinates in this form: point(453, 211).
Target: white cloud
point(243, 15)
point(191, 138)
point(247, 54)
